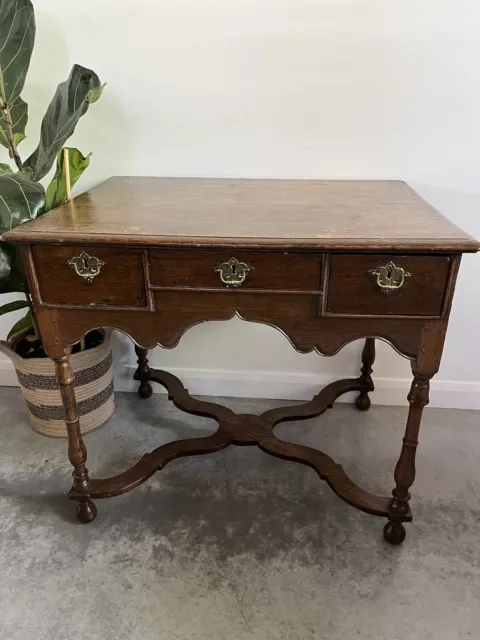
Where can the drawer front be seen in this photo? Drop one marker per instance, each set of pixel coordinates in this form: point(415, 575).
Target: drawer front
point(385, 285)
point(222, 270)
point(63, 276)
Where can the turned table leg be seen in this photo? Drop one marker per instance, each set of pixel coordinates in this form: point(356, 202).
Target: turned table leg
point(77, 453)
point(418, 397)
point(143, 371)
point(368, 358)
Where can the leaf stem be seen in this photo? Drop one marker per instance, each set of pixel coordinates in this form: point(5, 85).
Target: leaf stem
point(10, 138)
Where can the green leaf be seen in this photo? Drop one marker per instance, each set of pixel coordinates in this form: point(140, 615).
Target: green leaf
point(21, 199)
point(24, 323)
point(56, 191)
point(19, 116)
point(16, 281)
point(70, 102)
point(17, 37)
point(96, 93)
point(16, 305)
point(18, 137)
point(5, 168)
point(7, 258)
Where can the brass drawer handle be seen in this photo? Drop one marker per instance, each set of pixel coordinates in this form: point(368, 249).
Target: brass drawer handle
point(390, 277)
point(234, 273)
point(85, 266)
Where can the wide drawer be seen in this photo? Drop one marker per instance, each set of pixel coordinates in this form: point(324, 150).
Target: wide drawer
point(90, 276)
point(386, 285)
point(235, 269)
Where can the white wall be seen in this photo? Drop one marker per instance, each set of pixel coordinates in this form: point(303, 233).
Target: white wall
point(282, 88)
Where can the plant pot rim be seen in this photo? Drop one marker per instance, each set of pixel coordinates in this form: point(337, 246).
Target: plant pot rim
point(14, 340)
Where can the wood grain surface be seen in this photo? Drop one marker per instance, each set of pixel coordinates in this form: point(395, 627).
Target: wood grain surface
point(269, 270)
point(176, 312)
point(120, 282)
point(305, 214)
point(353, 289)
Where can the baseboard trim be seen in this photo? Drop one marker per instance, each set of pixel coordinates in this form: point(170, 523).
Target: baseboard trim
point(446, 394)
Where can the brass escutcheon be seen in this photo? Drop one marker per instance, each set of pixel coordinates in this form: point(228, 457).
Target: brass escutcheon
point(233, 273)
point(390, 277)
point(85, 266)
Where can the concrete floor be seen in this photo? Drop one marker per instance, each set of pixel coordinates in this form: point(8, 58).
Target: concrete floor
point(239, 545)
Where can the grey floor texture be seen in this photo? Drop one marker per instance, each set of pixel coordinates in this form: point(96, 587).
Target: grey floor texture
point(239, 545)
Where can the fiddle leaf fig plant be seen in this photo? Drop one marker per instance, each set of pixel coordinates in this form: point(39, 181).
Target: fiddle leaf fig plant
point(22, 196)
point(69, 104)
point(17, 35)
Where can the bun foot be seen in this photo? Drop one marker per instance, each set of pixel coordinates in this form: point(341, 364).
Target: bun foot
point(86, 512)
point(145, 390)
point(394, 532)
point(363, 401)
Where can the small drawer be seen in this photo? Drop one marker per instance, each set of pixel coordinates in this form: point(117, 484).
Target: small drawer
point(235, 269)
point(116, 276)
point(386, 285)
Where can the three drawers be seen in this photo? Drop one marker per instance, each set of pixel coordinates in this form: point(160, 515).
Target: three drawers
point(371, 285)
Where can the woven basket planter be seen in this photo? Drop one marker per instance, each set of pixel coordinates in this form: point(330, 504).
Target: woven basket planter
point(93, 370)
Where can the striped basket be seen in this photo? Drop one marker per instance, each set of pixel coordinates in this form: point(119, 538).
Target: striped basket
point(93, 370)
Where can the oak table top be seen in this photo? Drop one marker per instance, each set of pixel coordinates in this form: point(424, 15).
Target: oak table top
point(305, 214)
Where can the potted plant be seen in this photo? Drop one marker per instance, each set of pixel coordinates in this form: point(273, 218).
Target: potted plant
point(23, 198)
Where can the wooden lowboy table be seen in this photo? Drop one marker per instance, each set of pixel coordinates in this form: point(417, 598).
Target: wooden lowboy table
point(324, 262)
